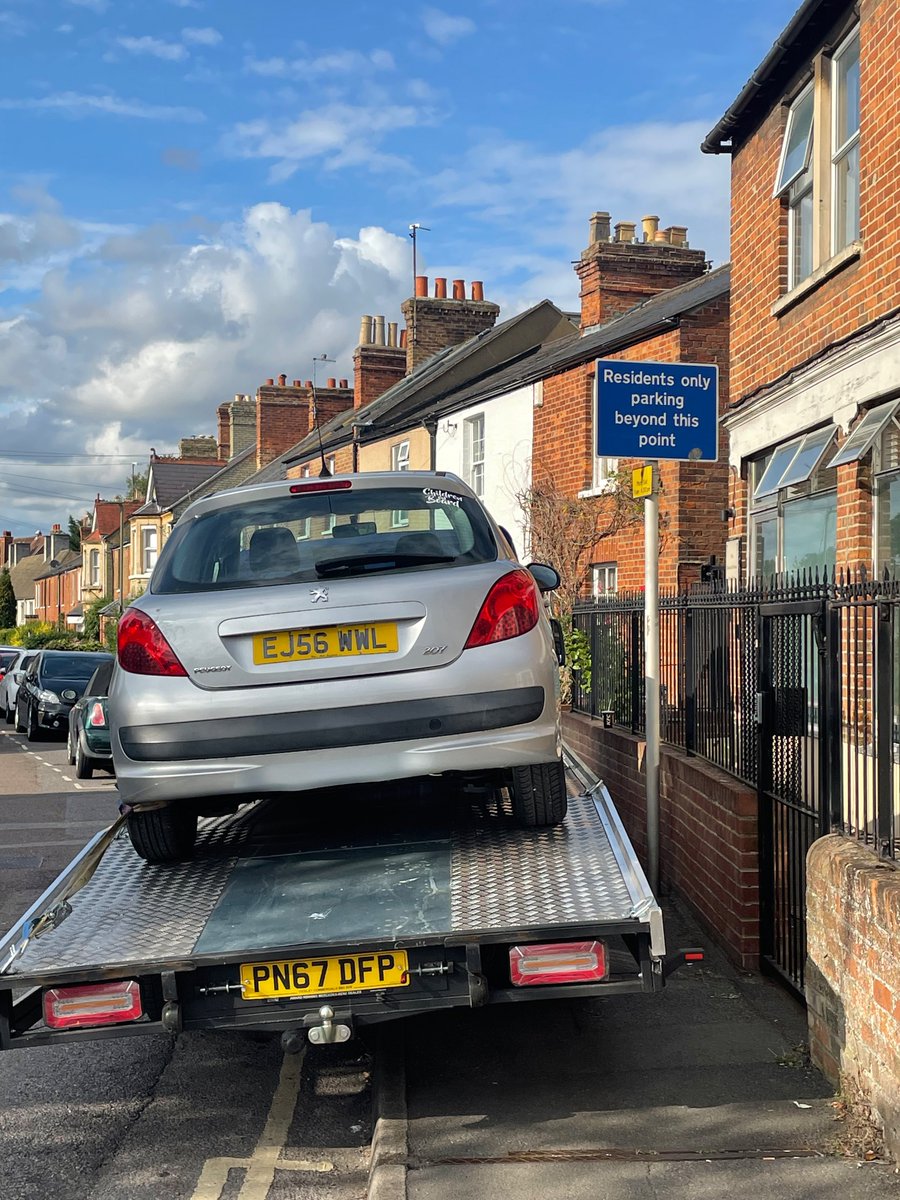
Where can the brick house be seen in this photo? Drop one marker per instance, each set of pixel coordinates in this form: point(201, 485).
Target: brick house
point(57, 590)
point(102, 567)
point(813, 430)
point(815, 439)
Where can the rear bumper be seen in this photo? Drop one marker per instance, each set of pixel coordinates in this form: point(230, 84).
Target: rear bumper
point(344, 728)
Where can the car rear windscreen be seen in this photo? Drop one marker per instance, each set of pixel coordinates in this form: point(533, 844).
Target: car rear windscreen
point(324, 535)
point(70, 666)
point(6, 658)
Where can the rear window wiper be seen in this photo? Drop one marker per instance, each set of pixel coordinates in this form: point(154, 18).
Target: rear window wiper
point(365, 562)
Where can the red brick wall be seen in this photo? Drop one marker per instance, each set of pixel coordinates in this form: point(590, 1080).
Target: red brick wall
point(764, 346)
point(440, 323)
point(615, 276)
point(343, 463)
point(853, 975)
point(284, 415)
point(708, 829)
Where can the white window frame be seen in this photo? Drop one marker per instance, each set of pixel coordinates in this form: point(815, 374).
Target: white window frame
point(332, 520)
point(839, 153)
point(94, 567)
point(608, 574)
point(149, 553)
point(474, 438)
point(400, 462)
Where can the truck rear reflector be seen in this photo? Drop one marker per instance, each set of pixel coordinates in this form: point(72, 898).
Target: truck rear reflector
point(92, 1004)
point(557, 962)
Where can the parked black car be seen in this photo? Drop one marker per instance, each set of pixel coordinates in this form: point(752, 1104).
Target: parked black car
point(53, 682)
point(88, 749)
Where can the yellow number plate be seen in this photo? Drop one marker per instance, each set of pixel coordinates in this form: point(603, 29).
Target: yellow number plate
point(324, 976)
point(332, 641)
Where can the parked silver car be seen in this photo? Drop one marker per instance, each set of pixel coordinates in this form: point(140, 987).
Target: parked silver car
point(12, 669)
point(321, 632)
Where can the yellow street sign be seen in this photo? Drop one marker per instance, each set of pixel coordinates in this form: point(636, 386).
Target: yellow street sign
point(642, 482)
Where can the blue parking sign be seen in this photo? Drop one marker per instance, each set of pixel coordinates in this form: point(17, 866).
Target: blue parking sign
point(657, 410)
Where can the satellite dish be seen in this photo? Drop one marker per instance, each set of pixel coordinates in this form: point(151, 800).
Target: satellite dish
point(54, 562)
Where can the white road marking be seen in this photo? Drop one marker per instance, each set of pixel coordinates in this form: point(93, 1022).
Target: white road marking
point(262, 1164)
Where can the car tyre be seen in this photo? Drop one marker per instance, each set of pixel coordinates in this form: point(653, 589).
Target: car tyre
point(163, 835)
point(17, 723)
point(8, 713)
point(84, 766)
point(32, 730)
point(539, 794)
point(70, 753)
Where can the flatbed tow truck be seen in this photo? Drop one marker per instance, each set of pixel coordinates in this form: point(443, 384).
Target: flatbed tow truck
point(383, 903)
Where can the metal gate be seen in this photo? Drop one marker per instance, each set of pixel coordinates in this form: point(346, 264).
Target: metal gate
point(793, 810)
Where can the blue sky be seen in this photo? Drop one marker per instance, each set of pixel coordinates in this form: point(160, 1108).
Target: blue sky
point(197, 194)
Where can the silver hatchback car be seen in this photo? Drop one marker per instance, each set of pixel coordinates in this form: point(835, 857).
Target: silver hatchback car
point(324, 632)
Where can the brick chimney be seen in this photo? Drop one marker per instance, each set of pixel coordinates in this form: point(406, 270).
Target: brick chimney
point(379, 361)
point(223, 430)
point(621, 271)
point(204, 446)
point(6, 541)
point(434, 323)
point(330, 400)
point(282, 417)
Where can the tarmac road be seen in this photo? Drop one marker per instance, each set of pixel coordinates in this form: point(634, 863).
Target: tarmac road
point(704, 1091)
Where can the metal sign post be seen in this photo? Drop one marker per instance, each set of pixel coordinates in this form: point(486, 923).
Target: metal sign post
point(651, 674)
point(669, 410)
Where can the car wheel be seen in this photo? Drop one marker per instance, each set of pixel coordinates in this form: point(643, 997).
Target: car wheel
point(70, 753)
point(539, 794)
point(84, 766)
point(32, 731)
point(18, 725)
point(7, 713)
point(163, 835)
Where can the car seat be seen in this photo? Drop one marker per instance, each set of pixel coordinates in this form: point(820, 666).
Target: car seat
point(273, 553)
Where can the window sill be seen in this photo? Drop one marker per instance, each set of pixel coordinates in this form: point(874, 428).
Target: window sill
point(836, 263)
point(606, 488)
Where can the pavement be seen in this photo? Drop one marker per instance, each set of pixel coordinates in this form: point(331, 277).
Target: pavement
point(704, 1091)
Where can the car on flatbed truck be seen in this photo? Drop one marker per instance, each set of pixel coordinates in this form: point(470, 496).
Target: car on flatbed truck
point(328, 632)
point(386, 903)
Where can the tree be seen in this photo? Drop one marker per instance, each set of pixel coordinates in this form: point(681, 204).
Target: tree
point(7, 600)
point(91, 627)
point(136, 486)
point(74, 533)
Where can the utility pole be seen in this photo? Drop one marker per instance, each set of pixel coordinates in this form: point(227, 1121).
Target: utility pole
point(651, 674)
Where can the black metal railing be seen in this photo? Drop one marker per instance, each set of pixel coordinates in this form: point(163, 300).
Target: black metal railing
point(719, 674)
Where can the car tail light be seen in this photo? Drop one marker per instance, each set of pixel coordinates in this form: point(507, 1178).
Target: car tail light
point(510, 608)
point(98, 716)
point(320, 485)
point(142, 648)
point(557, 962)
point(93, 1004)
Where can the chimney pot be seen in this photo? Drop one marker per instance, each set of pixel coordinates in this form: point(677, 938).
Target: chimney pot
point(477, 289)
point(625, 231)
point(440, 289)
point(343, 385)
point(392, 333)
point(599, 227)
point(650, 226)
point(270, 383)
point(421, 285)
point(403, 334)
point(379, 331)
point(308, 383)
point(331, 384)
point(238, 396)
point(282, 380)
point(296, 383)
point(365, 331)
point(678, 235)
point(56, 529)
point(662, 235)
point(459, 289)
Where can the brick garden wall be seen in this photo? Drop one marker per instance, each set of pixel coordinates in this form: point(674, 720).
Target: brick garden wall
point(853, 974)
point(708, 829)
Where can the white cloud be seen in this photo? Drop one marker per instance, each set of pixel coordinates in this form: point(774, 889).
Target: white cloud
point(65, 28)
point(445, 28)
point(154, 47)
point(341, 135)
point(201, 37)
point(137, 345)
point(81, 104)
point(336, 62)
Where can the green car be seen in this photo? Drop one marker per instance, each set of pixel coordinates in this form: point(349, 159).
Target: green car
point(89, 748)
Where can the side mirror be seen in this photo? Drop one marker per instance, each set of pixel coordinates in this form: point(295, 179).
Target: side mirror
point(18, 676)
point(547, 578)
